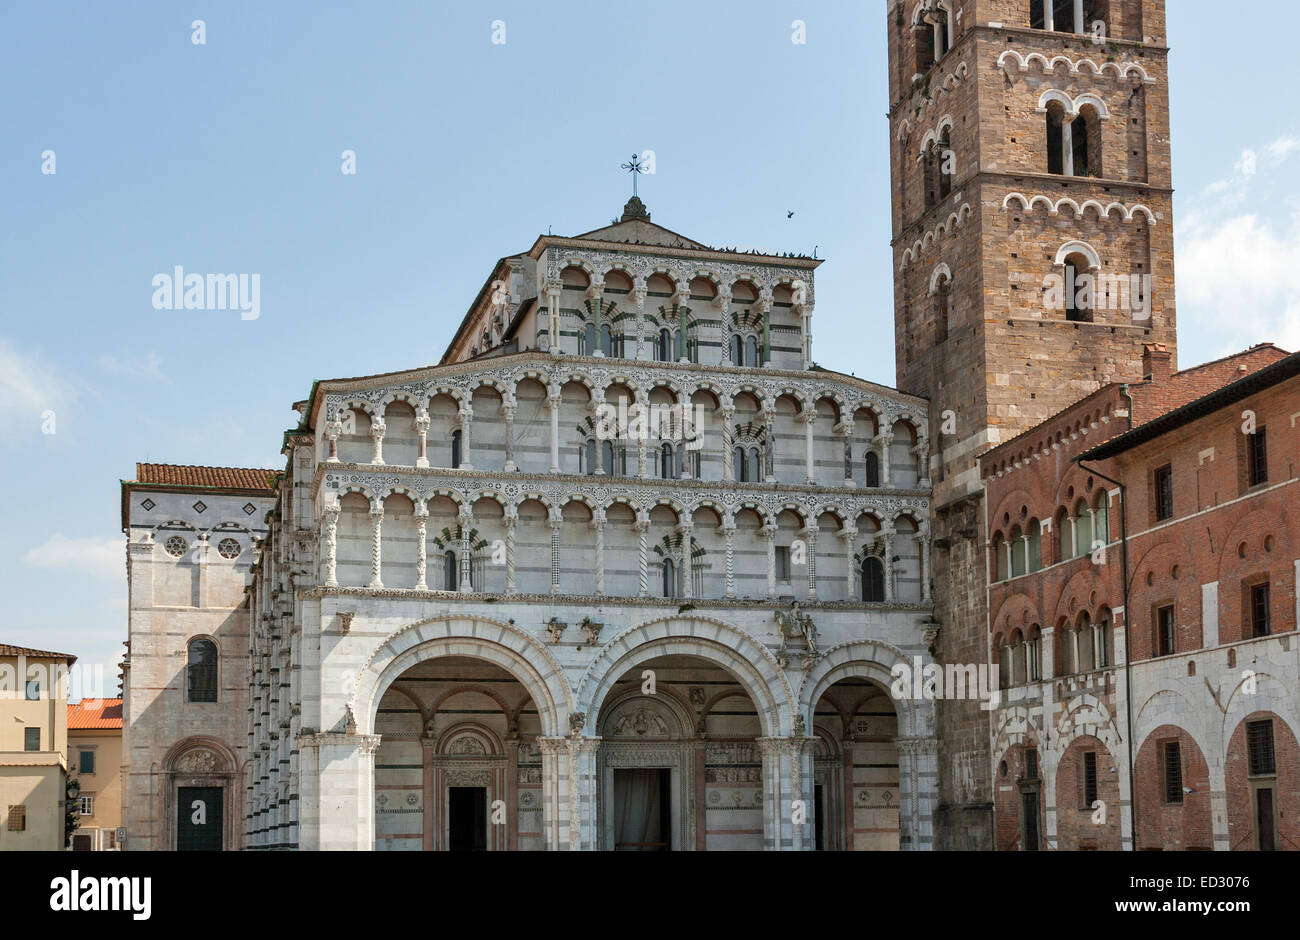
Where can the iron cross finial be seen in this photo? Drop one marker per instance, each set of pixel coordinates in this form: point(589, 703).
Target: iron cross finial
point(633, 167)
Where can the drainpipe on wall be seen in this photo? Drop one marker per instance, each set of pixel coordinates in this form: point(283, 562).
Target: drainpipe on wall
point(1128, 647)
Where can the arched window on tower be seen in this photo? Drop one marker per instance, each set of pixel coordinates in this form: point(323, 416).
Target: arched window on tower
point(587, 341)
point(587, 460)
point(606, 339)
point(1079, 300)
point(738, 464)
point(609, 458)
point(1085, 139)
point(737, 350)
point(751, 350)
point(755, 465)
point(201, 671)
point(664, 347)
point(873, 580)
point(449, 580)
point(1055, 15)
point(873, 468)
point(941, 293)
point(455, 448)
point(1034, 659)
point(1056, 137)
point(947, 164)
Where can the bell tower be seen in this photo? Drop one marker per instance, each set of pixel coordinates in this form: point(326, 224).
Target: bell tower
point(1033, 260)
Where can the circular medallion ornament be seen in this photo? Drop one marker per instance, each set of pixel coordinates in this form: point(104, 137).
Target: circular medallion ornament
point(228, 548)
point(176, 546)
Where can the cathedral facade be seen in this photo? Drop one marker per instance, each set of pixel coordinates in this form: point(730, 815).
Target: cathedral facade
point(625, 570)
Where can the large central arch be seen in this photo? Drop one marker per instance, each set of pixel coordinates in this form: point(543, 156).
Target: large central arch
point(476, 638)
point(752, 664)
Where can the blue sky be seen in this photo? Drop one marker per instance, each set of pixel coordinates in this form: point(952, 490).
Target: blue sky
point(225, 157)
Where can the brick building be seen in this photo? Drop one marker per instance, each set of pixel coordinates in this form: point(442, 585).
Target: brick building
point(1030, 151)
point(1142, 609)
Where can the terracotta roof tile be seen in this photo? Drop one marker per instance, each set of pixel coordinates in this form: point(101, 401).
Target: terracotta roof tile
point(92, 713)
point(226, 478)
point(7, 650)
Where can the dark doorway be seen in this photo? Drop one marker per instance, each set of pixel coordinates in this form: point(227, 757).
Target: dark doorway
point(643, 810)
point(82, 843)
point(467, 819)
point(198, 819)
point(1029, 820)
point(1264, 819)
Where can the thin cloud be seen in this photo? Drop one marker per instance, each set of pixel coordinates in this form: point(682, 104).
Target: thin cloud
point(101, 558)
point(148, 367)
point(29, 388)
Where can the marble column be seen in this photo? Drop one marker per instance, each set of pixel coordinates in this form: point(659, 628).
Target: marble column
point(688, 581)
point(729, 531)
point(809, 420)
point(923, 545)
point(466, 422)
point(377, 429)
point(642, 526)
point(598, 523)
point(810, 540)
point(727, 414)
point(508, 411)
point(422, 423)
point(769, 533)
point(556, 521)
point(466, 523)
point(376, 545)
point(848, 535)
point(882, 441)
point(887, 536)
point(331, 546)
point(553, 402)
point(421, 558)
point(511, 520)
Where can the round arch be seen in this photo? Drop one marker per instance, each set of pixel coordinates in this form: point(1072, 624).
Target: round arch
point(478, 638)
point(752, 664)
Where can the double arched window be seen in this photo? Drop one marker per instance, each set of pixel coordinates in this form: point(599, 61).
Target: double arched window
point(744, 350)
point(670, 586)
point(748, 463)
point(201, 671)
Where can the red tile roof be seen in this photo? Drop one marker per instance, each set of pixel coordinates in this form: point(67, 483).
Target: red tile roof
point(7, 650)
point(93, 713)
point(1153, 399)
point(225, 478)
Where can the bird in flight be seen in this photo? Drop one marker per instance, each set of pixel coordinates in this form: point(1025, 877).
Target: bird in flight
point(789, 213)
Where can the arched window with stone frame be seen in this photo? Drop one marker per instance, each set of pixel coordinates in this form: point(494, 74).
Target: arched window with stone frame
point(871, 579)
point(873, 467)
point(450, 571)
point(201, 671)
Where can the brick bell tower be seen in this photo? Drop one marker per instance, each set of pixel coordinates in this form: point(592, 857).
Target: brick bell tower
point(1033, 259)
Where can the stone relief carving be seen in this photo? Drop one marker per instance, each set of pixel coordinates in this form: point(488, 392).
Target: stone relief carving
point(198, 761)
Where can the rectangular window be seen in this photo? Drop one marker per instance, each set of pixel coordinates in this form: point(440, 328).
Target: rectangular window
point(1164, 493)
point(1259, 748)
point(1173, 772)
point(34, 690)
point(31, 739)
point(1257, 449)
point(1031, 765)
point(1089, 778)
point(1165, 629)
point(1260, 624)
point(87, 762)
point(87, 804)
point(18, 818)
point(782, 563)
